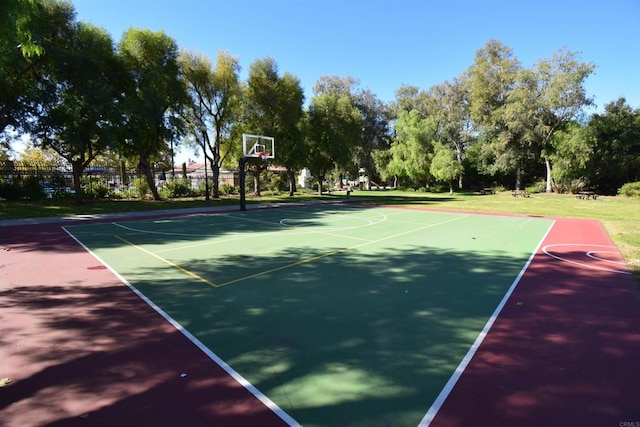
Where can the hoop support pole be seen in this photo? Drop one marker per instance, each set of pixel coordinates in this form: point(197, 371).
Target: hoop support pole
point(243, 198)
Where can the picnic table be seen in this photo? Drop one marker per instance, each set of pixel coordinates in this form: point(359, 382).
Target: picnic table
point(586, 195)
point(488, 191)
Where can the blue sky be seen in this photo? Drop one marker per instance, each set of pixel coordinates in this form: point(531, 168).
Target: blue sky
point(386, 44)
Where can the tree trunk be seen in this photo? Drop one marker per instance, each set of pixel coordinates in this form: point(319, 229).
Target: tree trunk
point(320, 179)
point(144, 167)
point(256, 182)
point(77, 184)
point(518, 178)
point(215, 176)
point(215, 164)
point(459, 159)
point(549, 187)
point(292, 182)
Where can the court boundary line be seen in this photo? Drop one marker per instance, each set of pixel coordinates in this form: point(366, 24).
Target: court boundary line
point(444, 393)
point(272, 406)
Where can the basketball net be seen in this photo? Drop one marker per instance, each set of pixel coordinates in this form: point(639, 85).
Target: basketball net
point(264, 156)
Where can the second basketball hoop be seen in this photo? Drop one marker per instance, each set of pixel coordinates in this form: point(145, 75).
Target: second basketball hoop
point(253, 146)
point(258, 146)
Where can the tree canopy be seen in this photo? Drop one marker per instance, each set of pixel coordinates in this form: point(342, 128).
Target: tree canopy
point(155, 96)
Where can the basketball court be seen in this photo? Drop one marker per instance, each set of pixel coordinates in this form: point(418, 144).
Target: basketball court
point(324, 307)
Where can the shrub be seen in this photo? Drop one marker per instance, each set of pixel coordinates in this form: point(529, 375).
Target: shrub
point(58, 186)
point(227, 189)
point(33, 189)
point(11, 191)
point(570, 185)
point(435, 188)
point(200, 190)
point(630, 189)
point(139, 187)
point(129, 193)
point(177, 188)
point(538, 187)
point(97, 191)
point(274, 182)
point(94, 188)
point(116, 195)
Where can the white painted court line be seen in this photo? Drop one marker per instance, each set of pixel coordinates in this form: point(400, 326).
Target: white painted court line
point(214, 357)
point(549, 252)
point(591, 254)
point(437, 404)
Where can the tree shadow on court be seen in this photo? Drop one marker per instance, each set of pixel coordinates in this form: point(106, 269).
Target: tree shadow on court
point(37, 238)
point(95, 355)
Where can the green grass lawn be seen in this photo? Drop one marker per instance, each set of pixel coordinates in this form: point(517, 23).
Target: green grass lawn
point(620, 215)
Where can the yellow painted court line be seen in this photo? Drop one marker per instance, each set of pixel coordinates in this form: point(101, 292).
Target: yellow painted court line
point(172, 264)
point(339, 251)
point(207, 243)
point(290, 230)
point(342, 236)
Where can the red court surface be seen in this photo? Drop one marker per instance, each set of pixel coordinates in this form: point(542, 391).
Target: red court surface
point(565, 349)
point(82, 349)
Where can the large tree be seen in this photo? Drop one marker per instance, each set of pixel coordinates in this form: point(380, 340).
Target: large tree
point(520, 109)
point(376, 131)
point(31, 33)
point(449, 106)
point(495, 89)
point(411, 152)
point(445, 165)
point(376, 115)
point(616, 158)
point(79, 103)
point(273, 107)
point(215, 96)
point(559, 96)
point(155, 95)
point(334, 129)
point(291, 142)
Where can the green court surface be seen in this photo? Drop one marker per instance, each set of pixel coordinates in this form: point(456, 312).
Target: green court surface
point(341, 315)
